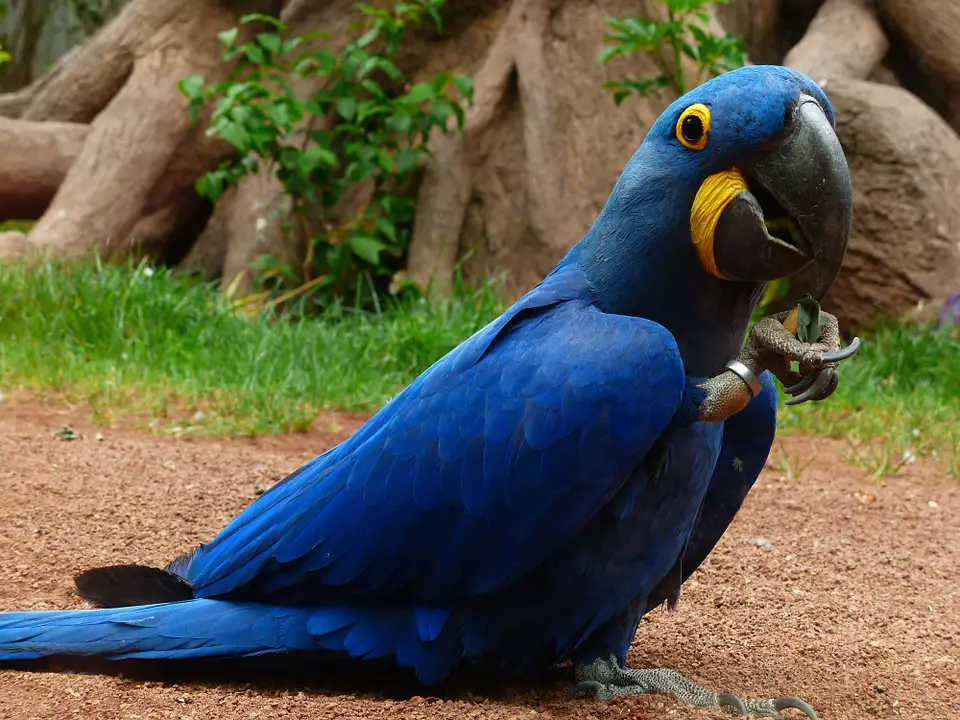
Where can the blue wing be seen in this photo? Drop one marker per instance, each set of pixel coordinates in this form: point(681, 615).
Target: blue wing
point(747, 439)
point(473, 474)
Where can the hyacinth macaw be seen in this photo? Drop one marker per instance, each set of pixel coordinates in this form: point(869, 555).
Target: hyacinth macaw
point(561, 472)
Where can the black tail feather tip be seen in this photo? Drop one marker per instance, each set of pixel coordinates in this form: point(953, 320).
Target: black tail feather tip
point(127, 585)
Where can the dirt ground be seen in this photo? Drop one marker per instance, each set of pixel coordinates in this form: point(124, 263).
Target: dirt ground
point(830, 586)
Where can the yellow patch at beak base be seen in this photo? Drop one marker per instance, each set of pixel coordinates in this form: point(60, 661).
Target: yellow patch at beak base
point(716, 192)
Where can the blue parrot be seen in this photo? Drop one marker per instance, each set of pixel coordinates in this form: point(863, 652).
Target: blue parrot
point(561, 472)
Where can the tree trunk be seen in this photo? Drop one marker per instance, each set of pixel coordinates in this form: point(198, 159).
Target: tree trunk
point(844, 40)
point(928, 31)
point(544, 146)
point(37, 156)
point(130, 189)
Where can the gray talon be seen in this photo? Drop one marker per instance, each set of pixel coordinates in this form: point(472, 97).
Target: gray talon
point(587, 686)
point(814, 387)
point(802, 385)
point(848, 352)
point(824, 378)
point(795, 703)
point(732, 701)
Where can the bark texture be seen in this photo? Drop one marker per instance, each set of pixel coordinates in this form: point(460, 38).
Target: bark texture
point(129, 189)
point(543, 146)
point(852, 24)
point(929, 31)
point(30, 176)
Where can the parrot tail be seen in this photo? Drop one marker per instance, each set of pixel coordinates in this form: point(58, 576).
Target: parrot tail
point(180, 630)
point(416, 637)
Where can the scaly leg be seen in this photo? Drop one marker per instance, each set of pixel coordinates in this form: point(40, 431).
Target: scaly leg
point(606, 679)
point(771, 347)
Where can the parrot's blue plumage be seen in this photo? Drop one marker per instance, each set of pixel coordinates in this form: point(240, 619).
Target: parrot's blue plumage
point(529, 496)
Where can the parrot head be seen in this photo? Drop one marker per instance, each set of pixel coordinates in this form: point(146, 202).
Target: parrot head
point(739, 182)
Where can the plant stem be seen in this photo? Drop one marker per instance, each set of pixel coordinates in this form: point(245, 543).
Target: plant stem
point(680, 85)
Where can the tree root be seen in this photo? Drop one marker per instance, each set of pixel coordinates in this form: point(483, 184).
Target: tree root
point(130, 189)
point(844, 40)
point(516, 54)
point(447, 180)
point(36, 158)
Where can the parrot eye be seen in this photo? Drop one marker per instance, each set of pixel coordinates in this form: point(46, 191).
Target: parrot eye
point(693, 126)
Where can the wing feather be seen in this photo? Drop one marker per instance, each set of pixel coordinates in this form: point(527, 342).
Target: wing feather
point(474, 474)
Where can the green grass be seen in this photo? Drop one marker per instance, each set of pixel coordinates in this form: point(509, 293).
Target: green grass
point(149, 344)
point(898, 399)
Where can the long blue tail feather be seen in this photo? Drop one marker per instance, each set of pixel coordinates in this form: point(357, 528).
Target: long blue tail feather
point(201, 628)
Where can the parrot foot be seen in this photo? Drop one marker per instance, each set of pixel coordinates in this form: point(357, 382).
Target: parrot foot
point(606, 679)
point(771, 346)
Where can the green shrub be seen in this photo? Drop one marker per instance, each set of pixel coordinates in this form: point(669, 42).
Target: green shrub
point(683, 34)
point(366, 124)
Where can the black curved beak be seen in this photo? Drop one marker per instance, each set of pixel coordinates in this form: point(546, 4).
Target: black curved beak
point(798, 209)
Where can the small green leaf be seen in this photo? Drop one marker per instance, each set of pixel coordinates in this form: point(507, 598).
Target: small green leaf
point(316, 156)
point(421, 92)
point(279, 114)
point(255, 54)
point(347, 108)
point(289, 45)
point(609, 52)
point(228, 37)
point(366, 247)
point(270, 41)
point(699, 34)
point(464, 84)
point(210, 186)
point(407, 160)
point(401, 124)
point(810, 324)
point(368, 37)
point(192, 87)
point(386, 228)
point(268, 19)
point(325, 61)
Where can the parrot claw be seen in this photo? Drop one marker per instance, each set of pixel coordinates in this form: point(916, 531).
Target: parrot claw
point(820, 386)
point(587, 686)
point(795, 703)
point(772, 346)
point(733, 702)
point(818, 383)
point(606, 679)
point(849, 351)
point(800, 386)
point(774, 708)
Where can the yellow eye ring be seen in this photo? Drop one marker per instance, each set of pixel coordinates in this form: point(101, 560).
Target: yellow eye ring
point(693, 126)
